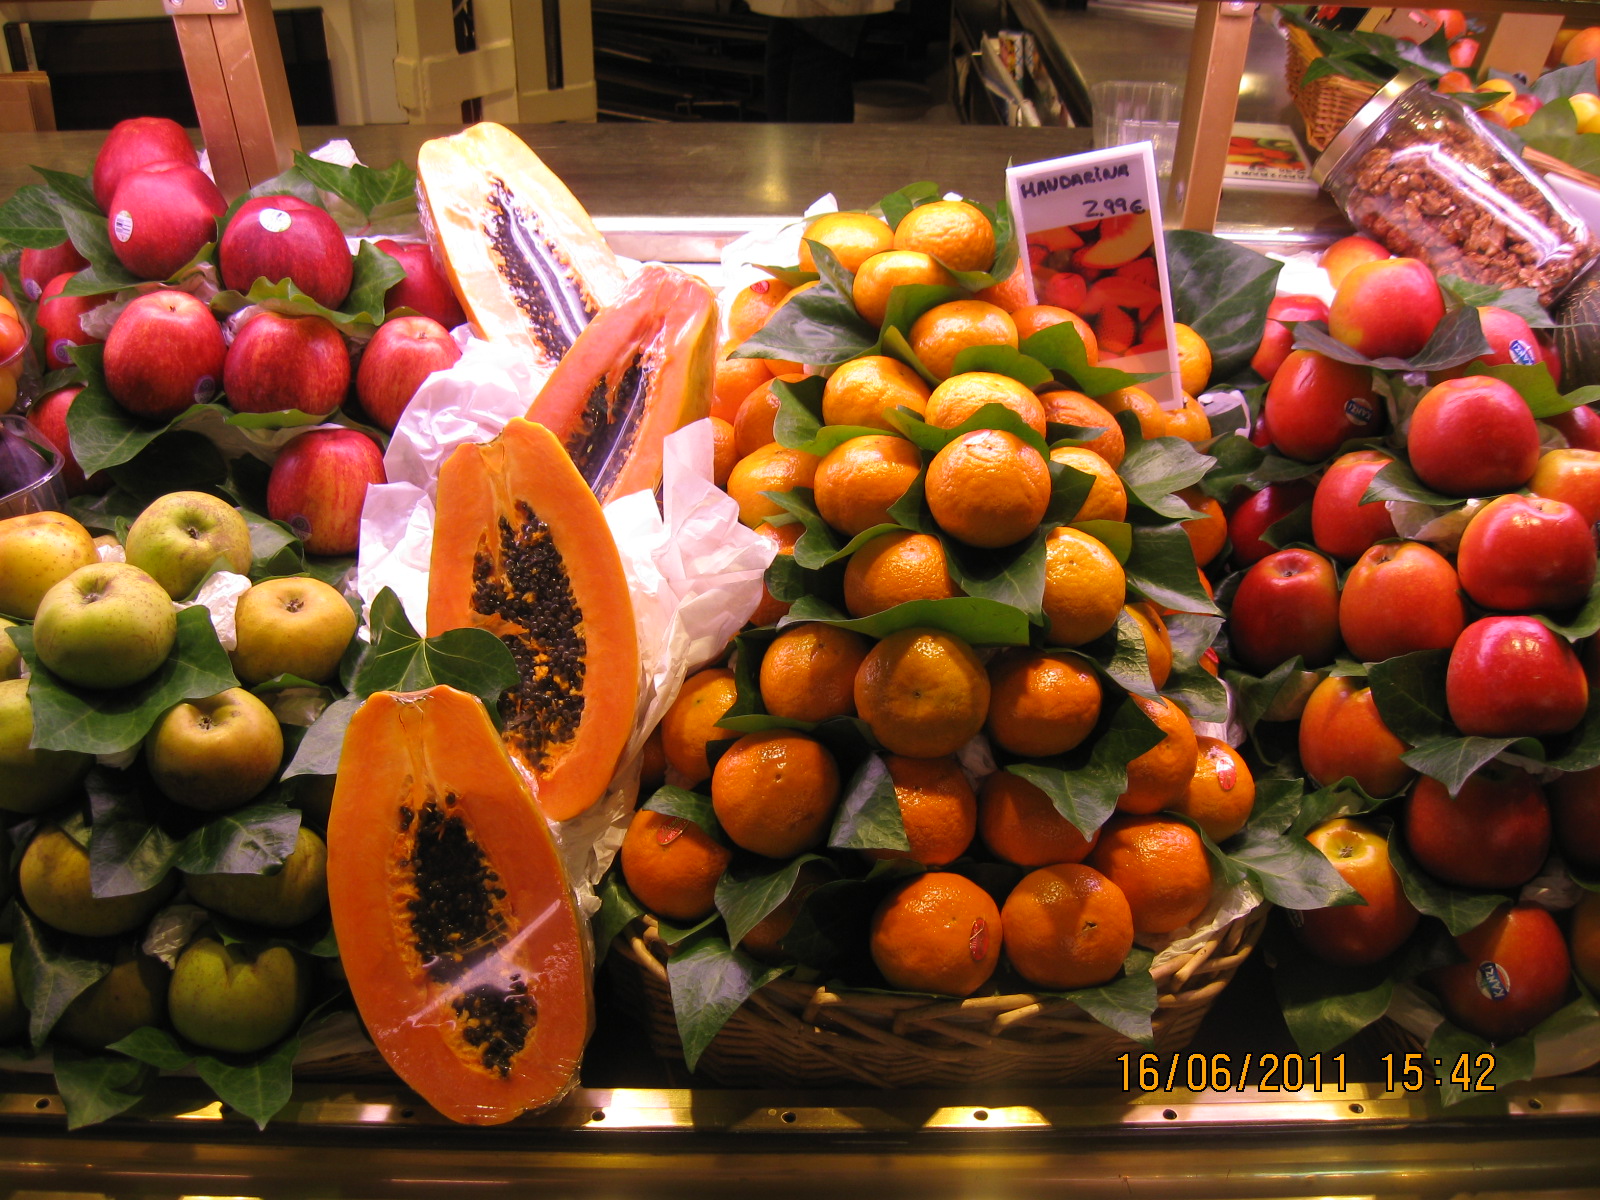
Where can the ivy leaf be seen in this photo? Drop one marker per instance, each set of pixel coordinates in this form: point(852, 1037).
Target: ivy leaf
point(1191, 635)
point(472, 660)
point(1457, 339)
point(156, 1047)
point(819, 326)
point(73, 192)
point(1199, 693)
point(687, 806)
point(1508, 1061)
point(1562, 82)
point(1324, 1005)
point(95, 1087)
point(1580, 750)
point(1583, 623)
point(1086, 794)
point(1161, 568)
point(1003, 360)
point(750, 890)
point(977, 622)
point(830, 930)
point(247, 841)
point(362, 188)
point(1291, 872)
point(1278, 695)
point(102, 433)
point(319, 750)
point(1152, 470)
point(1221, 290)
point(709, 980)
point(894, 207)
point(1061, 349)
point(258, 1089)
point(1396, 481)
point(49, 973)
point(618, 910)
point(1124, 656)
point(129, 852)
point(1460, 911)
point(868, 817)
point(29, 219)
point(1242, 464)
point(1522, 301)
point(274, 550)
point(106, 722)
point(1011, 575)
point(1454, 760)
point(1410, 695)
point(372, 274)
point(1127, 1003)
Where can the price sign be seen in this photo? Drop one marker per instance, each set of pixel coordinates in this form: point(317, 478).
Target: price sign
point(1091, 227)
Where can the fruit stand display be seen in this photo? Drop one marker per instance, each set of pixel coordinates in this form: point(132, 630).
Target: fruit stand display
point(1049, 706)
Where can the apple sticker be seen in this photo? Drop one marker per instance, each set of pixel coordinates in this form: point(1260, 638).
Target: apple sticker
point(31, 289)
point(59, 349)
point(274, 220)
point(122, 225)
point(1494, 981)
point(205, 387)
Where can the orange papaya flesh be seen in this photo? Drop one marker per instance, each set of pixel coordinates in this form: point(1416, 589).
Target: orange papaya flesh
point(457, 929)
point(521, 548)
point(641, 369)
point(525, 260)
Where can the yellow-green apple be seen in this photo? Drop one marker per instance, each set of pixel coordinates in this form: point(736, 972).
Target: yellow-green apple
point(1315, 404)
point(134, 143)
point(291, 626)
point(1575, 812)
point(1494, 834)
point(48, 415)
point(10, 656)
point(1356, 934)
point(1398, 598)
point(54, 881)
point(1257, 512)
point(1388, 308)
point(1287, 604)
point(1473, 437)
point(161, 215)
point(1525, 552)
point(163, 355)
point(1510, 676)
point(284, 237)
point(31, 780)
point(61, 320)
point(131, 995)
point(318, 485)
point(1580, 426)
point(1277, 339)
point(215, 753)
point(288, 896)
point(39, 267)
point(1515, 972)
point(1572, 476)
point(13, 1016)
point(403, 353)
point(424, 289)
point(1342, 734)
point(1348, 253)
point(279, 362)
point(106, 625)
point(1341, 524)
point(179, 539)
point(237, 998)
point(37, 551)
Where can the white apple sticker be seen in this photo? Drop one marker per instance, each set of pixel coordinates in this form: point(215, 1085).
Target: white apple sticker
point(122, 225)
point(205, 388)
point(274, 220)
point(31, 288)
point(1494, 981)
point(59, 349)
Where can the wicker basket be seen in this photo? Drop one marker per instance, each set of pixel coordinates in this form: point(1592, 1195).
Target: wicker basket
point(1326, 103)
point(791, 1034)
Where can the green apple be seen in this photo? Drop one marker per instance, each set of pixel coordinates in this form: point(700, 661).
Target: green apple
point(37, 551)
point(238, 998)
point(292, 626)
point(179, 538)
point(216, 752)
point(31, 780)
point(131, 995)
point(10, 656)
point(105, 626)
point(291, 895)
point(13, 1017)
point(54, 879)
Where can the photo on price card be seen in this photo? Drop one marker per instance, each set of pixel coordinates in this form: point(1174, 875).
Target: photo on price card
point(1091, 227)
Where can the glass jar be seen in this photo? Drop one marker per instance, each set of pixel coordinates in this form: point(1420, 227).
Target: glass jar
point(1424, 175)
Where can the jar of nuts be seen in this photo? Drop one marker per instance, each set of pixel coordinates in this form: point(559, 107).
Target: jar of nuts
point(1423, 174)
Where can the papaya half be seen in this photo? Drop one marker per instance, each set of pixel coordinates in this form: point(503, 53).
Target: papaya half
point(525, 260)
point(641, 369)
point(520, 548)
point(465, 951)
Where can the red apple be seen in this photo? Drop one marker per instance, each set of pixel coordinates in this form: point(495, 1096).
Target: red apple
point(135, 143)
point(1348, 253)
point(1473, 437)
point(1572, 476)
point(1511, 343)
point(1452, 22)
point(424, 288)
point(318, 485)
point(1253, 515)
point(1400, 597)
point(1342, 734)
point(1341, 525)
point(283, 237)
point(1513, 677)
point(404, 352)
point(160, 217)
point(39, 267)
point(1287, 604)
point(1387, 308)
point(61, 319)
point(1580, 426)
point(1516, 973)
point(48, 415)
point(1494, 834)
point(1315, 404)
point(164, 354)
point(1575, 809)
point(279, 362)
point(1525, 552)
point(1357, 934)
point(1463, 52)
point(1277, 339)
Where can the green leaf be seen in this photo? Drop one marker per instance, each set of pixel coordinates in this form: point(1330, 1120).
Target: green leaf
point(1293, 527)
point(29, 219)
point(284, 418)
point(1278, 804)
point(129, 852)
point(1460, 911)
point(274, 550)
point(1199, 693)
point(1324, 1005)
point(246, 841)
point(157, 1047)
point(471, 660)
point(257, 1089)
point(1562, 82)
point(95, 1087)
point(1278, 695)
point(799, 418)
point(868, 817)
point(1537, 387)
point(1115, 536)
point(1410, 694)
point(933, 438)
point(1086, 794)
point(819, 326)
point(1221, 290)
point(359, 316)
point(977, 622)
point(1127, 1003)
point(1454, 760)
point(319, 750)
point(1397, 482)
point(750, 890)
point(1580, 750)
point(687, 806)
point(49, 973)
point(1192, 635)
point(1003, 360)
point(1583, 623)
point(1457, 339)
point(106, 722)
point(1291, 872)
point(1124, 656)
point(361, 187)
point(618, 910)
point(709, 981)
point(1161, 568)
point(1512, 1060)
point(1242, 464)
point(1061, 349)
point(1011, 575)
point(71, 191)
point(102, 433)
point(830, 932)
point(1524, 302)
point(372, 274)
point(1152, 470)
point(894, 207)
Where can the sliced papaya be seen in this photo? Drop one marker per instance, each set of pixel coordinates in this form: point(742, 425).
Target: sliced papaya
point(642, 368)
point(520, 548)
point(456, 926)
point(525, 260)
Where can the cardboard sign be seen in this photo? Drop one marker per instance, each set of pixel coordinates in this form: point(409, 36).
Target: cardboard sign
point(1091, 227)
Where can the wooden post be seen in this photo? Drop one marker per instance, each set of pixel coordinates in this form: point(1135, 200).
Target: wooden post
point(1210, 99)
point(241, 92)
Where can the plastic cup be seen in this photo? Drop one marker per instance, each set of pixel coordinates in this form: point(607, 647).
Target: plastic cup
point(1126, 112)
point(30, 470)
